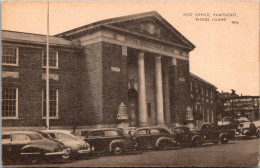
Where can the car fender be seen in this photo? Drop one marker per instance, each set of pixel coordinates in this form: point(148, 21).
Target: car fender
point(33, 148)
point(165, 139)
point(195, 137)
point(222, 134)
point(120, 141)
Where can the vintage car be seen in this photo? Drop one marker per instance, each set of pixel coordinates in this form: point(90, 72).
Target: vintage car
point(185, 137)
point(24, 145)
point(216, 134)
point(247, 129)
point(153, 137)
point(75, 144)
point(109, 140)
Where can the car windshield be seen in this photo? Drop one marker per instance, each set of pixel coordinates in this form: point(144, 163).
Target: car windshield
point(35, 136)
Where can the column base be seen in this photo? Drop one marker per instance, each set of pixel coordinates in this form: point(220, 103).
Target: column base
point(143, 125)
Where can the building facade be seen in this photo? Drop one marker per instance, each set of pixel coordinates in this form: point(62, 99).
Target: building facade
point(203, 99)
point(132, 69)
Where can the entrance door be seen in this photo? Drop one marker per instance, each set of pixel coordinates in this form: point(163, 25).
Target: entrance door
point(132, 106)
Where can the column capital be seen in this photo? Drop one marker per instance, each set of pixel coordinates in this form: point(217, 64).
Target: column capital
point(141, 54)
point(158, 57)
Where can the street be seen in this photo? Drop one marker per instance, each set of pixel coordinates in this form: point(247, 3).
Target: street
point(236, 153)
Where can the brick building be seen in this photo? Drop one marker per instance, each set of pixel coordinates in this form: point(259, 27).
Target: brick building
point(203, 99)
point(140, 62)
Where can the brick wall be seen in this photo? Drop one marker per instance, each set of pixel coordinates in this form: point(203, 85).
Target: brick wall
point(115, 83)
point(92, 85)
point(179, 93)
point(30, 86)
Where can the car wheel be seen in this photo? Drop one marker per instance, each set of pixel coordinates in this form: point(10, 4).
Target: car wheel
point(117, 149)
point(197, 142)
point(164, 145)
point(224, 139)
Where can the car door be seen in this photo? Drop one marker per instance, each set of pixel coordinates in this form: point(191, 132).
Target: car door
point(96, 139)
point(181, 136)
point(142, 137)
point(18, 141)
point(205, 131)
point(155, 134)
point(111, 135)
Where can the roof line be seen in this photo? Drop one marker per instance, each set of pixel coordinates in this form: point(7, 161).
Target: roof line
point(118, 19)
point(202, 80)
point(30, 33)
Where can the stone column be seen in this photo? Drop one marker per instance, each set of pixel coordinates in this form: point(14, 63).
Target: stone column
point(166, 95)
point(141, 91)
point(175, 93)
point(159, 91)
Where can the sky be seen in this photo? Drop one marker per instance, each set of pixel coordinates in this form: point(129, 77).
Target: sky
point(227, 49)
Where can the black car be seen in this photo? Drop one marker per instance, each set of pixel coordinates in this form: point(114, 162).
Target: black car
point(184, 136)
point(215, 134)
point(21, 145)
point(109, 139)
point(153, 137)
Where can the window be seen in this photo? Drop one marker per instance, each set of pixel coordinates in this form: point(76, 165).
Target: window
point(212, 115)
point(196, 88)
point(207, 92)
point(53, 59)
point(111, 133)
point(202, 91)
point(149, 109)
point(211, 95)
point(53, 101)
point(9, 55)
point(6, 139)
point(190, 86)
point(96, 133)
point(154, 131)
point(20, 137)
point(141, 132)
point(178, 130)
point(9, 103)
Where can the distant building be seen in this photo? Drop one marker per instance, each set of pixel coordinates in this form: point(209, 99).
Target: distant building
point(203, 99)
point(239, 106)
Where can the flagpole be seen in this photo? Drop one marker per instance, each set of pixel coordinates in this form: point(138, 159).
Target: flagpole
point(47, 75)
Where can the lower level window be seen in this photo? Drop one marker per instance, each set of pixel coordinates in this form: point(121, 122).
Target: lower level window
point(9, 103)
point(53, 103)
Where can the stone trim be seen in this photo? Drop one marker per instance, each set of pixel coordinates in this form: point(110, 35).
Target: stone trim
point(7, 74)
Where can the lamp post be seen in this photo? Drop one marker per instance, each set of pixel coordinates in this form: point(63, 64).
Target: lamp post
point(47, 74)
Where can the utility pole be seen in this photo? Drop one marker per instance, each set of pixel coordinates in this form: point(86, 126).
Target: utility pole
point(47, 75)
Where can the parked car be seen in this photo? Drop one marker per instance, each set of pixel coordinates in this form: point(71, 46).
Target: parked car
point(21, 145)
point(184, 136)
point(75, 144)
point(216, 134)
point(247, 129)
point(257, 124)
point(110, 140)
point(153, 137)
